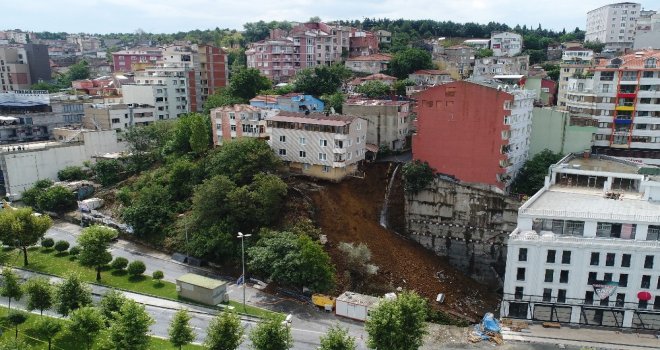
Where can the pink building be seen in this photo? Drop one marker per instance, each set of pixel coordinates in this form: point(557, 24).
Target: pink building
point(362, 43)
point(126, 60)
point(230, 122)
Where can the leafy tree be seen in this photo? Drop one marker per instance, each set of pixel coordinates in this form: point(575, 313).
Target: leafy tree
point(58, 199)
point(42, 85)
point(136, 268)
point(61, 246)
point(40, 294)
point(48, 328)
point(180, 332)
point(29, 196)
point(11, 289)
point(94, 242)
point(109, 171)
point(220, 98)
point(334, 101)
point(72, 173)
point(78, 71)
point(71, 294)
point(398, 324)
point(256, 31)
point(417, 175)
point(531, 177)
point(242, 159)
point(247, 82)
point(358, 258)
point(17, 318)
point(119, 263)
point(224, 332)
point(157, 275)
point(337, 338)
point(129, 330)
point(21, 228)
point(210, 198)
point(408, 61)
point(483, 53)
point(271, 334)
point(111, 304)
point(596, 46)
point(151, 212)
point(321, 80)
point(374, 88)
point(74, 251)
point(200, 133)
point(192, 134)
point(536, 56)
point(552, 70)
point(400, 86)
point(47, 242)
point(14, 344)
point(86, 324)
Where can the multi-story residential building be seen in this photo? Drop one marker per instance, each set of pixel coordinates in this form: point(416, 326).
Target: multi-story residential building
point(165, 88)
point(477, 132)
point(130, 60)
point(323, 146)
point(388, 122)
point(277, 59)
point(458, 58)
point(647, 31)
point(506, 44)
point(622, 95)
point(430, 77)
point(613, 25)
point(371, 64)
point(362, 43)
point(23, 65)
point(383, 78)
point(384, 37)
point(84, 43)
point(477, 43)
point(230, 122)
point(488, 67)
point(291, 102)
point(554, 130)
point(117, 116)
point(17, 37)
point(575, 61)
point(586, 248)
point(544, 87)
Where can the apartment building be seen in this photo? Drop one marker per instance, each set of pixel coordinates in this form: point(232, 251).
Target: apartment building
point(430, 77)
point(383, 78)
point(575, 61)
point(323, 146)
point(506, 44)
point(291, 102)
point(586, 248)
point(277, 59)
point(647, 31)
point(240, 120)
point(117, 116)
point(388, 122)
point(362, 43)
point(134, 59)
point(371, 64)
point(165, 88)
point(613, 25)
point(23, 65)
point(476, 131)
point(621, 95)
point(488, 67)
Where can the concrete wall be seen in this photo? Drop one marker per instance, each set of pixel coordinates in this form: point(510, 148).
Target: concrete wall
point(385, 124)
point(469, 225)
point(551, 130)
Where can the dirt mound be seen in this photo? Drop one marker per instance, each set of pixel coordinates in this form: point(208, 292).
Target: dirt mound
point(349, 212)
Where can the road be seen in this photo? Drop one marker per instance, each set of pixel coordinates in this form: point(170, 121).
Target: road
point(308, 323)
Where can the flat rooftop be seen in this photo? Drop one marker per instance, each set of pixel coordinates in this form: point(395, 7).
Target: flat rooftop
point(201, 281)
point(596, 164)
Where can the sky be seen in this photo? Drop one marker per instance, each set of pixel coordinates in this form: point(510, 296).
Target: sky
point(169, 16)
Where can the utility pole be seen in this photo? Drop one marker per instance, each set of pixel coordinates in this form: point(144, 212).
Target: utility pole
point(242, 237)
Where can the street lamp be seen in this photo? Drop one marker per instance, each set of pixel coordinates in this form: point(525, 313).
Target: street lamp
point(242, 237)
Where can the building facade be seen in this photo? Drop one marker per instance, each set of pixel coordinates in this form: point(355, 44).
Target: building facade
point(575, 61)
point(430, 77)
point(647, 31)
point(506, 44)
point(554, 130)
point(231, 122)
point(322, 146)
point(118, 116)
point(388, 122)
point(165, 88)
point(130, 60)
point(586, 247)
point(488, 67)
point(371, 64)
point(613, 25)
point(477, 132)
point(291, 102)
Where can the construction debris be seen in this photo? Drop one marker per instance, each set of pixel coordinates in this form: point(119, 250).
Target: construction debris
point(489, 329)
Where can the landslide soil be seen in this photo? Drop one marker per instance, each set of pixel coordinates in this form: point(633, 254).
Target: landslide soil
point(349, 212)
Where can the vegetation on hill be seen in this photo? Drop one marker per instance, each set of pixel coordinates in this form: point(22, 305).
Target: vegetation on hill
point(531, 177)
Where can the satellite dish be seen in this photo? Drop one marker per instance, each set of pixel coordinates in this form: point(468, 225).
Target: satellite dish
point(332, 110)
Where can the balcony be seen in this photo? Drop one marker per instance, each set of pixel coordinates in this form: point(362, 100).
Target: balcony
point(625, 108)
point(341, 137)
point(626, 95)
point(648, 94)
point(622, 121)
point(339, 164)
point(339, 150)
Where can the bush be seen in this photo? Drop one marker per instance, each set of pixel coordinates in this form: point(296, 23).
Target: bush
point(417, 175)
point(119, 263)
point(61, 246)
point(72, 173)
point(47, 242)
point(158, 275)
point(136, 268)
point(74, 250)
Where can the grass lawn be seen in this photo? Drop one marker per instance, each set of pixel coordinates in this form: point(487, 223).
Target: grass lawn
point(64, 341)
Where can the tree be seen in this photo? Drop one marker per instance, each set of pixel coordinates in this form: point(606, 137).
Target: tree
point(321, 80)
point(180, 332)
point(94, 242)
point(400, 86)
point(17, 318)
point(11, 289)
point(29, 196)
point(129, 330)
point(224, 332)
point(417, 175)
point(483, 53)
point(200, 133)
point(337, 338)
point(48, 328)
point(111, 304)
point(108, 171)
point(157, 275)
point(247, 82)
point(398, 324)
point(85, 325)
point(58, 199)
point(119, 263)
point(596, 46)
point(531, 177)
point(358, 260)
point(242, 159)
point(78, 71)
point(374, 88)
point(21, 229)
point(61, 246)
point(334, 101)
point(72, 173)
point(47, 243)
point(220, 98)
point(136, 268)
point(71, 294)
point(40, 294)
point(271, 334)
point(408, 61)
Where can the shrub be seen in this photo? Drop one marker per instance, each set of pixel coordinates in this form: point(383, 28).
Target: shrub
point(74, 250)
point(47, 242)
point(61, 246)
point(136, 268)
point(158, 275)
point(119, 263)
point(72, 173)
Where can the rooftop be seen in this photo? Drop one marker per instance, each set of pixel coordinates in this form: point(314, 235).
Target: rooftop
point(599, 164)
point(359, 299)
point(369, 102)
point(636, 60)
point(238, 108)
point(431, 72)
point(201, 281)
point(374, 57)
point(265, 98)
point(313, 118)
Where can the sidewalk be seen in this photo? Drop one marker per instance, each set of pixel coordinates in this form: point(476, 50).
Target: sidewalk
point(583, 337)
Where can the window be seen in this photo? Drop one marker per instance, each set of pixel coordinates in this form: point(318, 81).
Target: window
point(232, 127)
point(608, 277)
point(593, 276)
point(303, 141)
point(609, 259)
point(646, 282)
point(550, 258)
point(658, 286)
point(549, 275)
point(625, 260)
point(520, 275)
point(282, 138)
point(656, 303)
point(232, 116)
point(522, 254)
point(648, 262)
point(323, 142)
point(563, 276)
point(643, 304)
point(566, 257)
point(303, 154)
point(595, 259)
point(620, 299)
point(357, 140)
point(547, 294)
point(519, 293)
point(359, 125)
point(323, 156)
point(306, 166)
point(589, 297)
point(561, 295)
point(326, 169)
point(623, 280)
point(282, 152)
point(653, 233)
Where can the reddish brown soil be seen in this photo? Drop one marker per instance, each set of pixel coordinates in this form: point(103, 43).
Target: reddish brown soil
point(349, 212)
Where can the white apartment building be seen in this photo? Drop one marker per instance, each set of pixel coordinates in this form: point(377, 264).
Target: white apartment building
point(647, 31)
point(488, 67)
point(506, 44)
point(613, 25)
point(586, 249)
point(117, 116)
point(164, 87)
point(240, 120)
point(574, 61)
point(318, 145)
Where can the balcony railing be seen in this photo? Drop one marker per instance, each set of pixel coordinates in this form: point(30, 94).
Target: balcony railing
point(557, 213)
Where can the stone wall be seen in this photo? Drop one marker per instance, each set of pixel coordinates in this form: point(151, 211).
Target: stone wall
point(466, 223)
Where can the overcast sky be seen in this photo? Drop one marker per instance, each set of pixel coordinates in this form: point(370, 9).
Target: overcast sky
point(168, 16)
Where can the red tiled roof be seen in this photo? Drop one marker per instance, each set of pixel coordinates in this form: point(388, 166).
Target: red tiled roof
point(265, 98)
point(634, 60)
point(576, 48)
point(374, 57)
point(431, 72)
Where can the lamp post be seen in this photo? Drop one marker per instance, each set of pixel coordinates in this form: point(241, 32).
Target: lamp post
point(242, 237)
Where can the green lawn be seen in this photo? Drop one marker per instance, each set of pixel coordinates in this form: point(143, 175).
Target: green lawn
point(64, 341)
